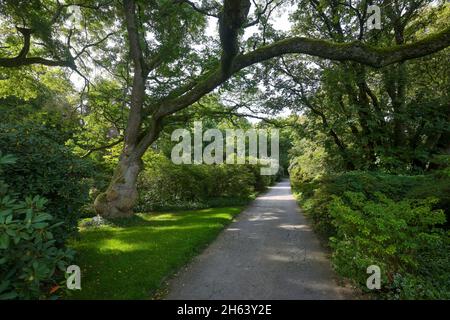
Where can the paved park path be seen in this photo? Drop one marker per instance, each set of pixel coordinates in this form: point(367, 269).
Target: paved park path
point(269, 252)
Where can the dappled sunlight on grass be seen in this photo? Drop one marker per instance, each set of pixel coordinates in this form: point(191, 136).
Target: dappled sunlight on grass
point(130, 258)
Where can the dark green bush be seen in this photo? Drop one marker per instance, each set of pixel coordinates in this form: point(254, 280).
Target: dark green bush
point(31, 262)
point(164, 185)
point(46, 167)
point(315, 195)
point(387, 220)
point(397, 236)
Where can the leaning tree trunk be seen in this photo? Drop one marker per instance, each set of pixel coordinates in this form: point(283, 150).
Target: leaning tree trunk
point(121, 196)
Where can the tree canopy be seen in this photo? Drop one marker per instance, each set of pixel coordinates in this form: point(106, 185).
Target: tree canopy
point(157, 54)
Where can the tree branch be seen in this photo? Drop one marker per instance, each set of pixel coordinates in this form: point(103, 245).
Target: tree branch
point(22, 60)
point(204, 11)
point(259, 13)
point(102, 148)
point(355, 51)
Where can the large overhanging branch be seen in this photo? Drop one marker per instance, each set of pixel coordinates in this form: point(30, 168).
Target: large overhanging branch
point(22, 59)
point(18, 62)
point(355, 51)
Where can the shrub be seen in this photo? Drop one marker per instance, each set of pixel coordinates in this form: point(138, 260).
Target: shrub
point(30, 260)
point(397, 236)
point(164, 185)
point(432, 279)
point(46, 167)
point(315, 195)
point(398, 233)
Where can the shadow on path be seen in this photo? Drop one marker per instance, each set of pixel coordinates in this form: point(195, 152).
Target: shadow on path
point(269, 252)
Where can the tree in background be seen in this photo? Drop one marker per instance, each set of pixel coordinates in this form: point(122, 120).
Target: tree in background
point(391, 118)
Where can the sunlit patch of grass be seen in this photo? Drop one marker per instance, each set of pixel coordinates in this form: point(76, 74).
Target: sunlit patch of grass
point(131, 258)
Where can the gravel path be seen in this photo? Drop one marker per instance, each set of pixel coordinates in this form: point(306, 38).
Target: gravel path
point(269, 252)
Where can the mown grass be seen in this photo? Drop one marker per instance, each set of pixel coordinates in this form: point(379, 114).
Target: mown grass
point(131, 258)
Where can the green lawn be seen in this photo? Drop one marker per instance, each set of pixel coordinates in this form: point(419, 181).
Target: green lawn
point(131, 259)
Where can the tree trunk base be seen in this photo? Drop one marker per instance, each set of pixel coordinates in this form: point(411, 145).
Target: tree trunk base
point(121, 196)
point(114, 204)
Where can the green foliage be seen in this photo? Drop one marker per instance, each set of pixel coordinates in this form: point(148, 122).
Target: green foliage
point(317, 194)
point(432, 279)
point(30, 260)
point(164, 185)
point(47, 168)
point(394, 119)
point(392, 235)
point(393, 221)
point(309, 164)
